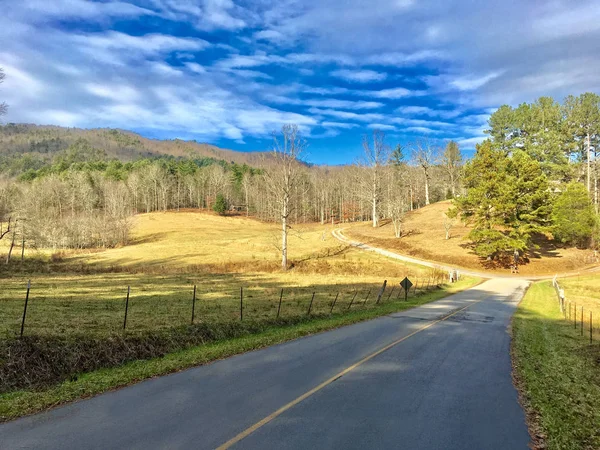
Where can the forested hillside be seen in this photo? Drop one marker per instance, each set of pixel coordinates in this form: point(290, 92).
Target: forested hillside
point(85, 194)
point(24, 147)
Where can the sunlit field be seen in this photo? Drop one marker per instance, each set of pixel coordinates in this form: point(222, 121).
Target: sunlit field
point(171, 252)
point(424, 237)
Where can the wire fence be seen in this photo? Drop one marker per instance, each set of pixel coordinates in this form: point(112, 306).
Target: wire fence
point(134, 311)
point(581, 318)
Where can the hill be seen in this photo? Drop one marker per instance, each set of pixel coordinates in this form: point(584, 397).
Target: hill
point(424, 237)
point(42, 143)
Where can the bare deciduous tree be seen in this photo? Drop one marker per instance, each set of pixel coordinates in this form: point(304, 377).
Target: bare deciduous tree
point(452, 163)
point(449, 222)
point(376, 156)
point(426, 156)
point(397, 209)
point(282, 176)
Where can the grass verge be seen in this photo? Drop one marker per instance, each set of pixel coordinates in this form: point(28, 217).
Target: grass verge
point(19, 403)
point(557, 372)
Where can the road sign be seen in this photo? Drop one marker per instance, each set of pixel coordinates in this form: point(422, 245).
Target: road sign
point(406, 285)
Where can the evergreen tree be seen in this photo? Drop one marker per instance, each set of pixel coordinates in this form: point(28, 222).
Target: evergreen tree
point(221, 205)
point(573, 216)
point(507, 200)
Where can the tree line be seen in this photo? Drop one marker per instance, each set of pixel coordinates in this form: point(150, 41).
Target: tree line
point(84, 199)
point(536, 174)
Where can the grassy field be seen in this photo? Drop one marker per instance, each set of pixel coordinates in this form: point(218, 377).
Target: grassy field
point(425, 238)
point(171, 252)
point(557, 369)
point(74, 323)
point(20, 402)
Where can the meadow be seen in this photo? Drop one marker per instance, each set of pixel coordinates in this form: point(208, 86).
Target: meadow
point(424, 237)
point(84, 291)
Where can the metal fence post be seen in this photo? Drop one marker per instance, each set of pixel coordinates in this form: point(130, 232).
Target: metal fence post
point(279, 306)
point(126, 307)
point(353, 297)
point(25, 307)
point(333, 304)
point(310, 305)
point(193, 304)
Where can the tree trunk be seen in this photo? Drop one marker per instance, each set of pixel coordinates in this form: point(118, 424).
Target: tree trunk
point(426, 190)
point(284, 233)
point(12, 244)
point(589, 188)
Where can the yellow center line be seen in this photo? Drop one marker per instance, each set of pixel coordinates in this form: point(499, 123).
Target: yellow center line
point(247, 432)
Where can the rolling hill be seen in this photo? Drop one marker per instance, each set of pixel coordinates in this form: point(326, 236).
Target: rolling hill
point(43, 142)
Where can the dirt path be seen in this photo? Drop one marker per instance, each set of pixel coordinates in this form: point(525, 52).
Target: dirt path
point(338, 234)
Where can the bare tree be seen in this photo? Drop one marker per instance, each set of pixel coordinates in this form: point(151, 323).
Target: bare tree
point(397, 209)
point(452, 164)
point(281, 177)
point(376, 156)
point(425, 155)
point(3, 106)
point(449, 222)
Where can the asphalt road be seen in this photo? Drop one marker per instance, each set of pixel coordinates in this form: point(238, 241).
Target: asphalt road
point(423, 379)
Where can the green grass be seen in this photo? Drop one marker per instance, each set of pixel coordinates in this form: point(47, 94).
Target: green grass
point(95, 303)
point(558, 372)
point(18, 403)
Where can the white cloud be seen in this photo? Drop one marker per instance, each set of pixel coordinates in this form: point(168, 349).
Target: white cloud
point(359, 76)
point(381, 126)
point(471, 83)
point(343, 125)
point(426, 111)
point(392, 93)
point(364, 117)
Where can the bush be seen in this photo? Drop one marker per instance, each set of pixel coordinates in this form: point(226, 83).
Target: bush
point(35, 362)
point(573, 216)
point(220, 205)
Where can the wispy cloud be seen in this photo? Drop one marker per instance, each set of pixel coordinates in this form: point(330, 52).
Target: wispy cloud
point(219, 69)
point(359, 76)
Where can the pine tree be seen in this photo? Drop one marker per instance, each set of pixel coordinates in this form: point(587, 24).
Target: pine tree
point(507, 200)
point(220, 206)
point(573, 216)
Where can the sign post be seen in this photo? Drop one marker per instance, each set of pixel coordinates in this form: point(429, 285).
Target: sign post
point(406, 285)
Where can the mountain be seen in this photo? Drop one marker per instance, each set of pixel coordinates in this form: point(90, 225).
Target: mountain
point(44, 142)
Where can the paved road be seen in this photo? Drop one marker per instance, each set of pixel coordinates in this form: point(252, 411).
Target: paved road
point(434, 377)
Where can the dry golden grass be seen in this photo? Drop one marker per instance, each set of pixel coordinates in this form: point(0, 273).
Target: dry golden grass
point(583, 291)
point(170, 252)
point(425, 238)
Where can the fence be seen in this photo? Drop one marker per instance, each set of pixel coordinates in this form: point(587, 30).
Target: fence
point(583, 321)
point(135, 312)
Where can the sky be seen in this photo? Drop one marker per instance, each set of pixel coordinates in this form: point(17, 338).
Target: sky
point(231, 73)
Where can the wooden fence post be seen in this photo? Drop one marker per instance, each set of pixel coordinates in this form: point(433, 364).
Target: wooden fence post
point(367, 297)
point(381, 292)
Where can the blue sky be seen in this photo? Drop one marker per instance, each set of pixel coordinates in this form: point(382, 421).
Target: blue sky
point(230, 73)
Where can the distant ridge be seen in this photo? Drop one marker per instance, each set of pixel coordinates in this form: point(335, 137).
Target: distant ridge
point(47, 140)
